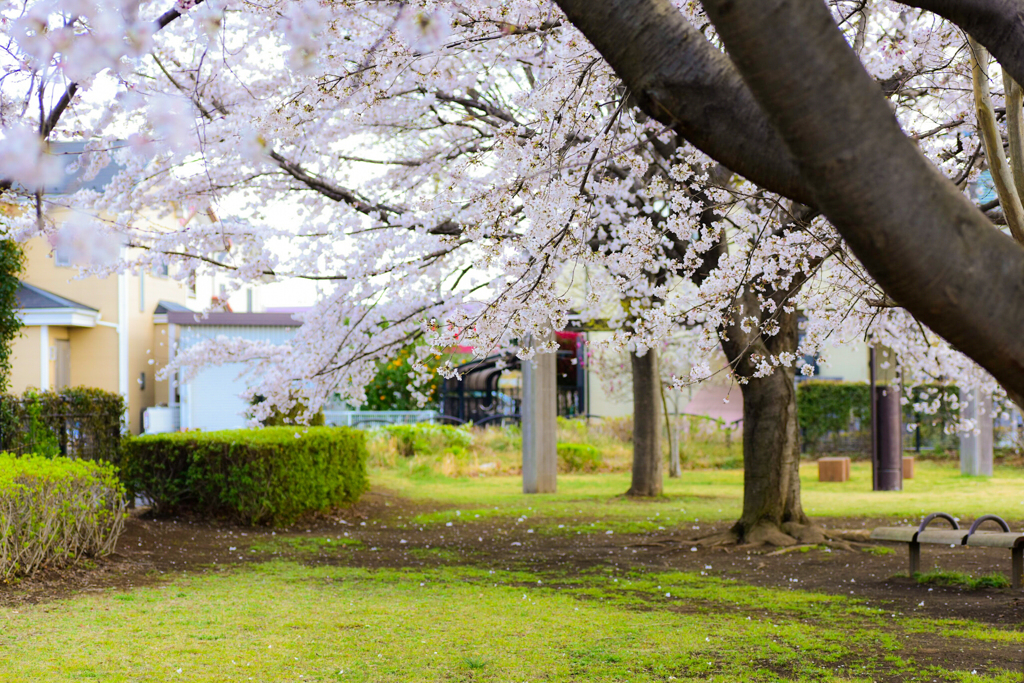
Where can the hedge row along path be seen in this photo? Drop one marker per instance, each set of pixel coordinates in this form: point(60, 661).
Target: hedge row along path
point(377, 533)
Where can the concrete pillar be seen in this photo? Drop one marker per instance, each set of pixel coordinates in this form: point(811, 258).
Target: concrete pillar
point(976, 449)
point(539, 413)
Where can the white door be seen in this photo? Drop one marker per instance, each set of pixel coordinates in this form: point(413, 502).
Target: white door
point(62, 376)
point(213, 399)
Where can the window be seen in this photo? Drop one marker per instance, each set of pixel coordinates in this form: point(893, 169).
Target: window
point(62, 255)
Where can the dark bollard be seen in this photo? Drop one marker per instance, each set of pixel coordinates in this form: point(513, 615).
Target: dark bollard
point(886, 422)
point(888, 456)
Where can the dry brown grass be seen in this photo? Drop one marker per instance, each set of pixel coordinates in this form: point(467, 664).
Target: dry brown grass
point(494, 451)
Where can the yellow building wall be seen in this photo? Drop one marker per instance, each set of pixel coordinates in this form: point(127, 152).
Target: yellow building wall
point(25, 360)
point(94, 357)
point(140, 331)
point(149, 341)
point(94, 351)
point(161, 346)
point(848, 362)
point(43, 272)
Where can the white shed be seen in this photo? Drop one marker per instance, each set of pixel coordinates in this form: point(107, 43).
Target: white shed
point(210, 401)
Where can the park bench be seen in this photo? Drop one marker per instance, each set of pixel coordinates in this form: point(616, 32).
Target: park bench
point(915, 536)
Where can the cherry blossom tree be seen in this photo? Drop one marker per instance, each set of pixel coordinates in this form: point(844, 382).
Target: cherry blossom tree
point(473, 172)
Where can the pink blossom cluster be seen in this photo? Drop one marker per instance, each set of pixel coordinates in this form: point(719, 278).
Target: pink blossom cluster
point(466, 173)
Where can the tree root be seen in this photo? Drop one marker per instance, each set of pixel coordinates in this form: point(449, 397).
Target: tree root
point(838, 545)
point(858, 535)
point(729, 537)
point(810, 534)
point(765, 533)
point(794, 548)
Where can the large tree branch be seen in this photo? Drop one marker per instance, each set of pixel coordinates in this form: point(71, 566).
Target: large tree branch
point(1015, 129)
point(65, 100)
point(917, 235)
point(680, 79)
point(994, 154)
point(677, 77)
point(53, 118)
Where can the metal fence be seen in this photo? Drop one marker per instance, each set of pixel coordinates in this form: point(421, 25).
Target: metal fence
point(31, 427)
point(377, 418)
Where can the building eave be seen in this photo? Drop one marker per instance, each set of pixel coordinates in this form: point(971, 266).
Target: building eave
point(59, 317)
point(191, 318)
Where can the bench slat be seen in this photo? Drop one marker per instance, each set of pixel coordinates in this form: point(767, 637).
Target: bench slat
point(904, 534)
point(996, 539)
point(942, 536)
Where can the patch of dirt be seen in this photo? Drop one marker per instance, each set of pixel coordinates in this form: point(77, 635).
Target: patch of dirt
point(151, 550)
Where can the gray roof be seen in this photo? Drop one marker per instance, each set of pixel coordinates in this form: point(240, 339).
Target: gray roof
point(169, 307)
point(233, 319)
point(69, 152)
point(30, 297)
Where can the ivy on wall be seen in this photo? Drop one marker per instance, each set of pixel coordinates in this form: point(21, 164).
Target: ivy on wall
point(12, 261)
point(82, 422)
point(825, 408)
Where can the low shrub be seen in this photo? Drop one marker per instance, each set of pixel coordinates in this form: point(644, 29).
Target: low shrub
point(941, 577)
point(427, 450)
point(572, 430)
point(617, 428)
point(578, 457)
point(416, 439)
point(54, 511)
point(272, 475)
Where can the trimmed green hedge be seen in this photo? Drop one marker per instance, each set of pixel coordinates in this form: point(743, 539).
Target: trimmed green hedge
point(828, 408)
point(55, 510)
point(271, 476)
point(825, 407)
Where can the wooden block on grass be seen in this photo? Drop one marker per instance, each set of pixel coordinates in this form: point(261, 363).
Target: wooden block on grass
point(908, 467)
point(833, 469)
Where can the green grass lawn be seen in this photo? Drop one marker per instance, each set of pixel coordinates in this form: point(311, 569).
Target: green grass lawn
point(295, 620)
point(711, 495)
point(281, 621)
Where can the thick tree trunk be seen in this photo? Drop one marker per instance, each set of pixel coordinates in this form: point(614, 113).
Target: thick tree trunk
point(646, 425)
point(772, 512)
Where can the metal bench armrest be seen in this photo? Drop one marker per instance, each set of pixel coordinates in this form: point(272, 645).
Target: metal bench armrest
point(937, 515)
